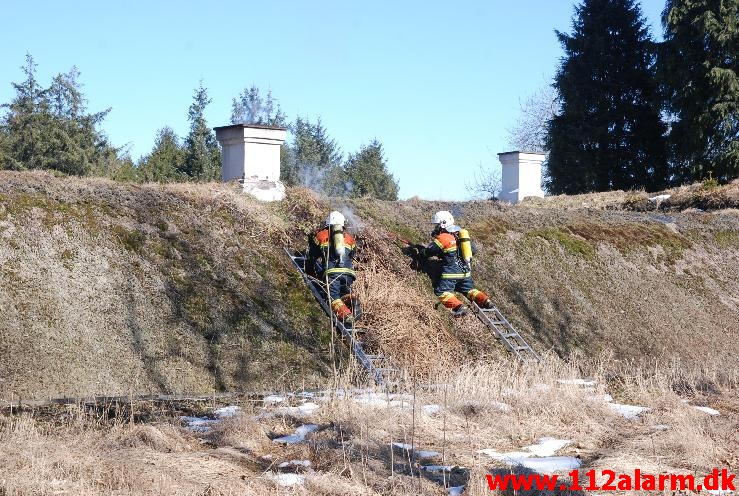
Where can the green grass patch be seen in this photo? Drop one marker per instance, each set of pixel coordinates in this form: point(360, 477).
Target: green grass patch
point(629, 237)
point(132, 240)
point(727, 238)
point(571, 243)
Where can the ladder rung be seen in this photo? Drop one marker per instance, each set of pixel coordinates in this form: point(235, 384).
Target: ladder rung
point(498, 322)
point(521, 348)
point(389, 369)
point(376, 357)
point(511, 335)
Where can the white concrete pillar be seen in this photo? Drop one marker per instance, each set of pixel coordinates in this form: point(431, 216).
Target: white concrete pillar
point(251, 155)
point(521, 176)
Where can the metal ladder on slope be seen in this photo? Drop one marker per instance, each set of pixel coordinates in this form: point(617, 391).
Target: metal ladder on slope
point(378, 366)
point(505, 332)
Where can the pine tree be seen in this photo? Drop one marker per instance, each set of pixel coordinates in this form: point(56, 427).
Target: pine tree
point(367, 174)
point(166, 159)
point(314, 159)
point(700, 68)
point(26, 122)
point(250, 108)
point(608, 133)
point(202, 152)
point(49, 128)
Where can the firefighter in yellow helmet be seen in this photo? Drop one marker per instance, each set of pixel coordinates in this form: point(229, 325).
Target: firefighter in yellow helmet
point(452, 245)
point(330, 256)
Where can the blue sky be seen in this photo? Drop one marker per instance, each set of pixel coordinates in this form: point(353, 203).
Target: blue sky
point(438, 83)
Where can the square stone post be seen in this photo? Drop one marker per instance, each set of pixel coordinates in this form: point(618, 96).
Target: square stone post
point(251, 155)
point(521, 176)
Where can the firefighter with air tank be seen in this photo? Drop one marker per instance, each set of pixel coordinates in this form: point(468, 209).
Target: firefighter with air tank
point(330, 256)
point(452, 245)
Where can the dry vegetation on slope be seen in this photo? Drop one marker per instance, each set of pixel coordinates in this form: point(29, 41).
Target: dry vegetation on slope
point(111, 289)
point(117, 289)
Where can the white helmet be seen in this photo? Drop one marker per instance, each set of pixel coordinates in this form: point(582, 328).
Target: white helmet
point(444, 219)
point(335, 219)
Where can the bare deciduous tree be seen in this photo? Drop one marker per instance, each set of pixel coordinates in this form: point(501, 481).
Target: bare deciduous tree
point(486, 183)
point(530, 130)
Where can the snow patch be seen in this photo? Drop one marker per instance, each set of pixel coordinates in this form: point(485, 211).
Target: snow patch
point(660, 427)
point(709, 411)
point(295, 463)
point(538, 456)
point(285, 480)
point(456, 490)
point(439, 468)
point(544, 465)
point(659, 198)
point(501, 407)
point(547, 446)
point(299, 436)
point(227, 411)
point(577, 382)
point(199, 424)
point(431, 410)
point(627, 411)
point(273, 398)
point(384, 400)
point(419, 453)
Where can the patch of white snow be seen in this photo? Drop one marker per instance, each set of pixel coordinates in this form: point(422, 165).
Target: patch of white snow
point(299, 436)
point(295, 463)
point(456, 490)
point(199, 424)
point(628, 411)
point(419, 453)
point(286, 480)
point(709, 411)
point(227, 411)
point(547, 446)
point(577, 382)
point(547, 464)
point(431, 409)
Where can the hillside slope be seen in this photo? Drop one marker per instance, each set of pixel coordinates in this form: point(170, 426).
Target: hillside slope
point(108, 288)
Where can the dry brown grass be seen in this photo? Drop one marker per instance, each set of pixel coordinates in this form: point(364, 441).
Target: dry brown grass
point(351, 453)
point(111, 288)
point(704, 196)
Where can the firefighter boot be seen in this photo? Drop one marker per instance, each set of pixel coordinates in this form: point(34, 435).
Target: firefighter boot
point(354, 305)
point(482, 300)
point(342, 312)
point(452, 303)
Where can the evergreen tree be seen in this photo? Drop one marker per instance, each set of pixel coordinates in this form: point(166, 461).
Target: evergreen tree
point(700, 66)
point(608, 133)
point(202, 152)
point(26, 122)
point(166, 159)
point(250, 108)
point(49, 128)
point(314, 159)
point(367, 174)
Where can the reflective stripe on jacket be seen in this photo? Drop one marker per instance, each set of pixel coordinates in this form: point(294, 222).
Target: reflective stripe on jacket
point(331, 261)
point(444, 246)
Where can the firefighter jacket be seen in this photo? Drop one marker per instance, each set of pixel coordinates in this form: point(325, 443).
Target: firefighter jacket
point(444, 246)
point(325, 256)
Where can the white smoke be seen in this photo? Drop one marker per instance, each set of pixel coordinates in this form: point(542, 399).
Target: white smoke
point(355, 223)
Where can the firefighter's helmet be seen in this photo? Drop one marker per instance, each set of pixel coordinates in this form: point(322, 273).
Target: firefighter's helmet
point(335, 218)
point(443, 219)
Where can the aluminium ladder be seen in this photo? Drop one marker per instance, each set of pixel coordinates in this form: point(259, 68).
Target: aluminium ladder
point(505, 332)
point(378, 366)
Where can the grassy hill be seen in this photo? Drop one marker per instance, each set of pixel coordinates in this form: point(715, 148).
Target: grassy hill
point(110, 288)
